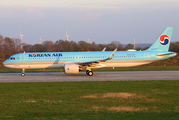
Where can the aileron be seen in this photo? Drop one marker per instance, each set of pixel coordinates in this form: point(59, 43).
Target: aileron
point(89, 63)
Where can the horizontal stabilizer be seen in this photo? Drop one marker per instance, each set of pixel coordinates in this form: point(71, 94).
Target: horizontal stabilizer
point(164, 55)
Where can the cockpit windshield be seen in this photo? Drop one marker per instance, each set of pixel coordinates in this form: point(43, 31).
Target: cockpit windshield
point(12, 58)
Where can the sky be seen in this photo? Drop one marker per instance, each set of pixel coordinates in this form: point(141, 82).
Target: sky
point(101, 21)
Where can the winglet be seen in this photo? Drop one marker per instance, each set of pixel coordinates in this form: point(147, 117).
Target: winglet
point(112, 55)
point(104, 49)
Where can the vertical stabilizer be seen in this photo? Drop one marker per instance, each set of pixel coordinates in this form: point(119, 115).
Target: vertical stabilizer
point(163, 41)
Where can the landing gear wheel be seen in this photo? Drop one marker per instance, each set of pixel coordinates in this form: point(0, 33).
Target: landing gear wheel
point(90, 73)
point(23, 74)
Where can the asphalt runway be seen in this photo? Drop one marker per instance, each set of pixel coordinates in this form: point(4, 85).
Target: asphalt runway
point(98, 76)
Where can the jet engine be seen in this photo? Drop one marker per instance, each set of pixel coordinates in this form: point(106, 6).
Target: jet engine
point(71, 69)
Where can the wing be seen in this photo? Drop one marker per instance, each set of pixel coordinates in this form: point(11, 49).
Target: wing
point(97, 63)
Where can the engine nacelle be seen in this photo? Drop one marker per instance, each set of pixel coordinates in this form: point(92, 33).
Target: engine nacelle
point(71, 69)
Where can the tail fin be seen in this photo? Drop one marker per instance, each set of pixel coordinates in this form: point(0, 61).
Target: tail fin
point(163, 41)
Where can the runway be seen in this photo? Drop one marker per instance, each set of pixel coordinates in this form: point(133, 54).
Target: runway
point(98, 76)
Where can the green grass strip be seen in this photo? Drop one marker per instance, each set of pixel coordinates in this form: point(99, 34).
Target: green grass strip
point(127, 100)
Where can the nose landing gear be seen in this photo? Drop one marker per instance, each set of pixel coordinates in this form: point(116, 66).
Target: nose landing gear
point(23, 73)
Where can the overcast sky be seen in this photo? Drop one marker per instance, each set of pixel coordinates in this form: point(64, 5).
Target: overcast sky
point(101, 21)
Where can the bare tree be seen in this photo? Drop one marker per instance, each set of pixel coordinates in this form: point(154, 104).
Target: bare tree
point(37, 48)
point(17, 45)
point(116, 44)
point(84, 45)
point(48, 45)
point(129, 46)
point(27, 47)
point(8, 47)
point(94, 47)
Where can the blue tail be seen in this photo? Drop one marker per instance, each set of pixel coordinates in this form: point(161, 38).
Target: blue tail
point(163, 41)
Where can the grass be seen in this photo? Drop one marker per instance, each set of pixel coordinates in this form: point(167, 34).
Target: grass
point(141, 68)
point(126, 100)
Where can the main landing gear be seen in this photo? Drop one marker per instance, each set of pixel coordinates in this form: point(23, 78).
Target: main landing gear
point(90, 73)
point(23, 73)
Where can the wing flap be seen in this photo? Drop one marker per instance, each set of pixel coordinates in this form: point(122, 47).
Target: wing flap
point(97, 62)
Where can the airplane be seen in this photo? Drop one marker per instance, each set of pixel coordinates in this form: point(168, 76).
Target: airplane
point(73, 62)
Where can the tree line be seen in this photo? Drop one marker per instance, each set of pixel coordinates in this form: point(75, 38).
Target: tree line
point(10, 46)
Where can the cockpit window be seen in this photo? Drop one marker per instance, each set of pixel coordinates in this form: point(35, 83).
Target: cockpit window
point(12, 58)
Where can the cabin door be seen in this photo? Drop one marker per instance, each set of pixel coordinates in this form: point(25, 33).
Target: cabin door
point(22, 58)
point(146, 56)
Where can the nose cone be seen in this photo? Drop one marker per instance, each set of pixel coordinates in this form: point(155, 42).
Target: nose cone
point(5, 63)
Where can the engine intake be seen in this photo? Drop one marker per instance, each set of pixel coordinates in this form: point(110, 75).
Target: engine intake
point(71, 69)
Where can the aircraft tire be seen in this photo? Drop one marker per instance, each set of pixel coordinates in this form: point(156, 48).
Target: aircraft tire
point(23, 74)
point(90, 73)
